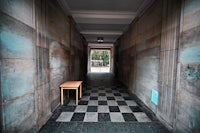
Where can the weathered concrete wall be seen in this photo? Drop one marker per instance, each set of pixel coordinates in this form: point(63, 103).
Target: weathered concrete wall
point(161, 51)
point(188, 88)
point(42, 89)
point(168, 61)
point(139, 54)
point(35, 51)
point(18, 80)
point(78, 55)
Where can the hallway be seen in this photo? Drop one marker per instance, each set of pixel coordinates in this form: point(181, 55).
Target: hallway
point(151, 49)
point(106, 107)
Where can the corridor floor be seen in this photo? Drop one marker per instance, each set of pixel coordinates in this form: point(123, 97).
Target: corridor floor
point(106, 107)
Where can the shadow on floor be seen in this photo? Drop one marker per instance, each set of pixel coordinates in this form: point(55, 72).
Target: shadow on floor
point(88, 117)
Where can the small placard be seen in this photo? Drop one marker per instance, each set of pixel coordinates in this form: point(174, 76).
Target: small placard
point(154, 96)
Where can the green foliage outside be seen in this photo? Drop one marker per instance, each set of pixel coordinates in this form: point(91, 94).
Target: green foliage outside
point(100, 55)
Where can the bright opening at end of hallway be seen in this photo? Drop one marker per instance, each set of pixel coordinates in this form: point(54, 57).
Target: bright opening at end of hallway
point(100, 61)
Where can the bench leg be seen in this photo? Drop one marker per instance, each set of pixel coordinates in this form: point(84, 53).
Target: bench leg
point(81, 89)
point(77, 96)
point(61, 96)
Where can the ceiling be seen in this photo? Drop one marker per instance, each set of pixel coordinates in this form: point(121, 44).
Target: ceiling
point(103, 18)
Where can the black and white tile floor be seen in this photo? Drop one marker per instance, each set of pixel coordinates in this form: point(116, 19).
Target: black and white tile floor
point(105, 102)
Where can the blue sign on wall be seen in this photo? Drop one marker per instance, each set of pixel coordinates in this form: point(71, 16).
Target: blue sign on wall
point(154, 96)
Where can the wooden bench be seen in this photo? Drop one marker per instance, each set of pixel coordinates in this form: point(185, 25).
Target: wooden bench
point(71, 85)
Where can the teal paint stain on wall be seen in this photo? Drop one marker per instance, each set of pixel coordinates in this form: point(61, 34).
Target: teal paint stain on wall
point(16, 84)
point(16, 46)
point(19, 110)
point(191, 73)
point(190, 55)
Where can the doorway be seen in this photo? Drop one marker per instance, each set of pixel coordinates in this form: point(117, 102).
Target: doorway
point(100, 61)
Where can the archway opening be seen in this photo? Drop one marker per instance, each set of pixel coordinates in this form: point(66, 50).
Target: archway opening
point(100, 61)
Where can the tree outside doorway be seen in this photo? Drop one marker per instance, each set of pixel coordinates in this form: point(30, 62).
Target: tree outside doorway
point(100, 61)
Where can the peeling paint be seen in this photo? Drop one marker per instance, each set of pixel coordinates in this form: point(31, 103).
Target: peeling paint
point(16, 84)
point(15, 114)
point(191, 73)
point(190, 55)
point(16, 46)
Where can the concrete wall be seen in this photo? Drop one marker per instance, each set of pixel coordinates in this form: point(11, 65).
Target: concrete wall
point(139, 54)
point(78, 55)
point(160, 51)
point(18, 69)
point(168, 61)
point(37, 53)
point(188, 83)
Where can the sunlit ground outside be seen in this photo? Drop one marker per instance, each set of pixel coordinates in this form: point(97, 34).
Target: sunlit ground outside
point(100, 69)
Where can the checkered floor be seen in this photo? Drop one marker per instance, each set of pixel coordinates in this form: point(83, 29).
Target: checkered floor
point(103, 103)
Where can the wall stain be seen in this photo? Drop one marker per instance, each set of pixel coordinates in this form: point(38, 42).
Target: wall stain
point(190, 55)
point(192, 73)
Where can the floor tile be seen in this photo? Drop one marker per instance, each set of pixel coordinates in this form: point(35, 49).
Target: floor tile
point(65, 117)
point(92, 102)
point(94, 94)
point(94, 91)
point(92, 109)
point(114, 109)
point(129, 117)
point(135, 108)
point(72, 103)
point(83, 103)
point(117, 94)
point(127, 98)
point(119, 98)
point(91, 117)
point(81, 108)
point(125, 109)
point(123, 90)
point(102, 103)
point(125, 94)
point(89, 88)
point(121, 103)
point(68, 108)
point(86, 94)
point(93, 98)
point(110, 98)
point(115, 91)
point(78, 117)
point(101, 89)
point(103, 117)
point(131, 103)
point(108, 91)
point(102, 94)
point(103, 109)
point(112, 103)
point(86, 91)
point(55, 115)
point(109, 94)
point(116, 117)
point(85, 98)
point(141, 117)
point(102, 98)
